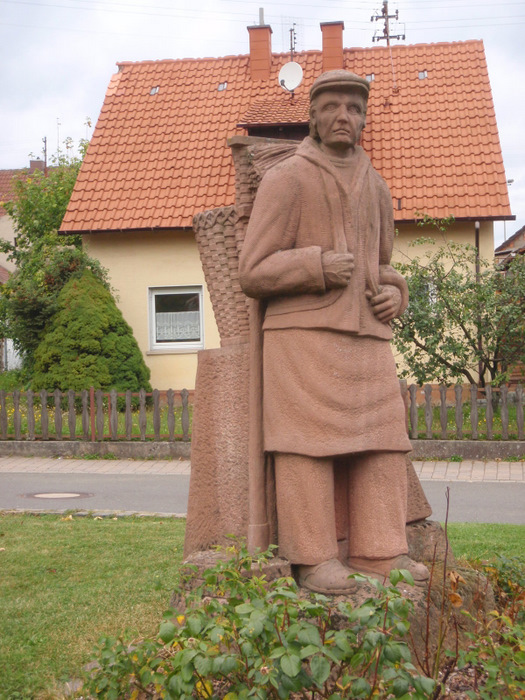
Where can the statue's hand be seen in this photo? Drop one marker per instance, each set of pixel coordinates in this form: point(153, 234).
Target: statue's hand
point(337, 268)
point(386, 304)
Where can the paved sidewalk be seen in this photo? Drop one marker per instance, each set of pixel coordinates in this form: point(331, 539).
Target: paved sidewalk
point(468, 470)
point(63, 465)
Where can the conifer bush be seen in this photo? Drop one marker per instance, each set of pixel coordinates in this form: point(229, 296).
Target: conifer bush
point(88, 343)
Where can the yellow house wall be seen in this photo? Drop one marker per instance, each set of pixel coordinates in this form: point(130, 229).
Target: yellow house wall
point(137, 261)
point(7, 232)
point(462, 232)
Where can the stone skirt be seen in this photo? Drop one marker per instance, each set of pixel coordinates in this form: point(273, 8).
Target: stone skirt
point(330, 393)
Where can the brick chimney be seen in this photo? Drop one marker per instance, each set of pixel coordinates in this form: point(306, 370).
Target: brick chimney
point(260, 51)
point(36, 164)
point(332, 45)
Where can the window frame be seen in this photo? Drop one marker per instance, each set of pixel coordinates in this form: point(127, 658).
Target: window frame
point(158, 347)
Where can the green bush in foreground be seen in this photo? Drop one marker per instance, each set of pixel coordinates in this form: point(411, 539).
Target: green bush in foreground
point(243, 637)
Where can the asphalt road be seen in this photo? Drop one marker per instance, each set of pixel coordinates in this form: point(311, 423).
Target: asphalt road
point(474, 502)
point(148, 493)
point(486, 502)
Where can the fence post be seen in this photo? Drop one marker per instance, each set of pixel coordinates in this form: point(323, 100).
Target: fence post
point(44, 416)
point(519, 410)
point(474, 411)
point(128, 417)
point(17, 421)
point(92, 412)
point(489, 412)
point(3, 415)
point(71, 414)
point(99, 397)
point(458, 391)
point(30, 415)
point(428, 410)
point(113, 415)
point(85, 415)
point(185, 418)
point(142, 414)
point(443, 413)
point(156, 414)
point(57, 394)
point(503, 392)
point(171, 415)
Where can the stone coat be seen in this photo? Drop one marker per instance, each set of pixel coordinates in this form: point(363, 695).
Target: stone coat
point(329, 377)
point(302, 210)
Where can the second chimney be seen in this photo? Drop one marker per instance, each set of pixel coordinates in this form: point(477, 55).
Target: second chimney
point(332, 45)
point(260, 51)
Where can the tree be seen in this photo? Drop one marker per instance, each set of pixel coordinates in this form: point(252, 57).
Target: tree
point(88, 343)
point(465, 319)
point(45, 261)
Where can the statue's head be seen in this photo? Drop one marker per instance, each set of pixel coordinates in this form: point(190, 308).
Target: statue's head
point(328, 92)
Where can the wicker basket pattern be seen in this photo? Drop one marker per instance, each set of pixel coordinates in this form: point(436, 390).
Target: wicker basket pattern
point(220, 232)
point(219, 235)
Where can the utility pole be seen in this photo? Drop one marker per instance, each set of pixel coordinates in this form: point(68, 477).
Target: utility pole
point(44, 140)
point(386, 31)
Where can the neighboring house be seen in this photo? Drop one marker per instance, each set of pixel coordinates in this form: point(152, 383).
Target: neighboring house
point(9, 358)
point(515, 245)
point(7, 230)
point(504, 253)
point(159, 155)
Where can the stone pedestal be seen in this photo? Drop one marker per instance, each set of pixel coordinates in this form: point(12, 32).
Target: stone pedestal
point(218, 496)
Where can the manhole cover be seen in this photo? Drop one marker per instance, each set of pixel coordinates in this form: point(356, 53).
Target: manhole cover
point(58, 494)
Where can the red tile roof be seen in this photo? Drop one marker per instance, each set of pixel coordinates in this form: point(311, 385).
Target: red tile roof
point(4, 274)
point(7, 177)
point(157, 157)
point(6, 187)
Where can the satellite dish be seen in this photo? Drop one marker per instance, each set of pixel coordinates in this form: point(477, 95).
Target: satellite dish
point(290, 76)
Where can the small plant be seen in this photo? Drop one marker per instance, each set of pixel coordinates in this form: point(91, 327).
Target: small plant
point(244, 637)
point(497, 646)
point(455, 458)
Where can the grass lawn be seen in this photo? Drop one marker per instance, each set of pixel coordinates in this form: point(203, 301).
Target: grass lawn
point(66, 582)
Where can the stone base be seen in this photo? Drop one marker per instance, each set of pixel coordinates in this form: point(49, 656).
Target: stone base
point(430, 617)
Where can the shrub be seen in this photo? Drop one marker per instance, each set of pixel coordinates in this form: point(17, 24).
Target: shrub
point(244, 637)
point(88, 343)
point(496, 652)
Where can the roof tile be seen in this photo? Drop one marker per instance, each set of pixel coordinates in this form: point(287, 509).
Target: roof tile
point(434, 140)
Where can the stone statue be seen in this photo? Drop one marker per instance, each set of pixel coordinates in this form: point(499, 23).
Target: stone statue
point(317, 253)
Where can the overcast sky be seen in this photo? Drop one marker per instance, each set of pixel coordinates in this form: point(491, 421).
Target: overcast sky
point(57, 56)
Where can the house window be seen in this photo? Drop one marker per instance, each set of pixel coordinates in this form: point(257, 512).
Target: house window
point(422, 74)
point(175, 318)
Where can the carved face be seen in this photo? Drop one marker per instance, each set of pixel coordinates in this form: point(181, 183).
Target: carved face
point(339, 117)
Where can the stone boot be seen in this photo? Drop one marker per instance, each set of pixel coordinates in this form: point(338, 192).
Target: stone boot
point(329, 577)
point(381, 568)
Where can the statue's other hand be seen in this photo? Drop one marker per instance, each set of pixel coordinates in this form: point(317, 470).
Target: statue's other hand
point(386, 304)
point(337, 268)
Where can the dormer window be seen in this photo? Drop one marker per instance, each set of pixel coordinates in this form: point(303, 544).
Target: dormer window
point(154, 90)
point(370, 77)
point(222, 86)
point(422, 74)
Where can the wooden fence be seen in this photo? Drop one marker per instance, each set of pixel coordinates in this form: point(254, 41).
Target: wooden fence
point(96, 415)
point(433, 412)
point(464, 412)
